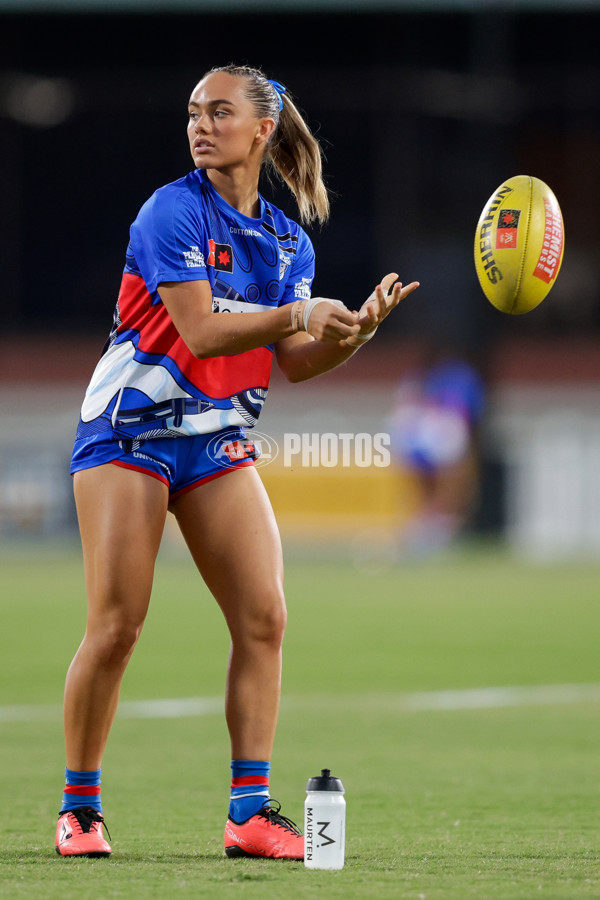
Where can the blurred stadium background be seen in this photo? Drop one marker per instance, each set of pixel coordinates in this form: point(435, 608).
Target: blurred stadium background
point(423, 108)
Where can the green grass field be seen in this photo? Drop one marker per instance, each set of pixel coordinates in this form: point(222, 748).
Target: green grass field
point(452, 791)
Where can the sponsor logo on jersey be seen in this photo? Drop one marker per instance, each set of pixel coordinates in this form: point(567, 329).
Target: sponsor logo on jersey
point(302, 289)
point(224, 304)
point(220, 256)
point(507, 231)
point(194, 258)
point(247, 232)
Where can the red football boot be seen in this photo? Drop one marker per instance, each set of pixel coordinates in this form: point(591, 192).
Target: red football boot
point(267, 834)
point(79, 833)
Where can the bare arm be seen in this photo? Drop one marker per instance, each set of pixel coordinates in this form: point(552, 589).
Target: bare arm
point(301, 357)
point(189, 304)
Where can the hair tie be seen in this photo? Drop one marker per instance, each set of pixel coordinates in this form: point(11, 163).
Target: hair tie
point(279, 90)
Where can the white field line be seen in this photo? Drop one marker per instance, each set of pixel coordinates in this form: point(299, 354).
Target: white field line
point(420, 701)
point(128, 709)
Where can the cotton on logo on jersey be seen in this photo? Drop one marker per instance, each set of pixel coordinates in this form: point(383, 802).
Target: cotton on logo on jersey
point(247, 232)
point(194, 258)
point(220, 256)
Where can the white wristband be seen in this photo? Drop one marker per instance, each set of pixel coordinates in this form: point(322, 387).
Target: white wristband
point(309, 305)
point(357, 340)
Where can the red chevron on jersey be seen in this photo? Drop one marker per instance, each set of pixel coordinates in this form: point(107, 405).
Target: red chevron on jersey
point(226, 375)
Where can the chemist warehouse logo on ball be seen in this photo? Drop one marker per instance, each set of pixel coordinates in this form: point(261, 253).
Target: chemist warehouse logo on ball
point(304, 450)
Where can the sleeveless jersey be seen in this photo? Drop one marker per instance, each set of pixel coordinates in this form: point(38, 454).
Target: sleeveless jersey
point(147, 383)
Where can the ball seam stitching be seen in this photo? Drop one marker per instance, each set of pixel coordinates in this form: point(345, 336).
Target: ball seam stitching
point(524, 254)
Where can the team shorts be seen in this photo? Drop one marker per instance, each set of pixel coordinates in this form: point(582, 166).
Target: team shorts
point(182, 463)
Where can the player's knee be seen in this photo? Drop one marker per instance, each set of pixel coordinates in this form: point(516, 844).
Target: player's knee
point(266, 624)
point(115, 641)
point(273, 626)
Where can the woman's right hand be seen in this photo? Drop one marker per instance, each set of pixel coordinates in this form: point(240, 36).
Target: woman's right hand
point(330, 320)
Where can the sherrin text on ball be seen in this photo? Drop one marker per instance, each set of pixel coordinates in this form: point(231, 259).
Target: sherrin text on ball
point(519, 244)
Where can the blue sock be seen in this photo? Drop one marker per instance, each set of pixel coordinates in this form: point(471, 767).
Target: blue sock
point(82, 789)
point(249, 788)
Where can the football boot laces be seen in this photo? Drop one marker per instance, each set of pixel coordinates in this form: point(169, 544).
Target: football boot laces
point(272, 813)
point(86, 816)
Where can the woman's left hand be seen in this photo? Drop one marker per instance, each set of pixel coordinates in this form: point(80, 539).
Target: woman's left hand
point(381, 302)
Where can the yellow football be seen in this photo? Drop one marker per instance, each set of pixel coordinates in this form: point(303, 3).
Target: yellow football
point(519, 244)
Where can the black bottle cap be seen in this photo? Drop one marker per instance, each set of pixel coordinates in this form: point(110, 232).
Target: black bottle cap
point(325, 782)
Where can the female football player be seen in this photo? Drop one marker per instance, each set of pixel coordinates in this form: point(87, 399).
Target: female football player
point(217, 280)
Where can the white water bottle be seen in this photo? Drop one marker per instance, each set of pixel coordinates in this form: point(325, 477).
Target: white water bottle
point(324, 822)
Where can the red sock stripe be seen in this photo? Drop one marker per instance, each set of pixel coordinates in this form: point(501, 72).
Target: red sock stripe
point(249, 779)
point(82, 790)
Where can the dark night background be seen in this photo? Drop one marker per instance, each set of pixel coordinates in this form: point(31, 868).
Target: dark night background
point(421, 117)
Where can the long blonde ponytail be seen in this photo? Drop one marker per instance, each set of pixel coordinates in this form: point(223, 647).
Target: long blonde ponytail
point(293, 153)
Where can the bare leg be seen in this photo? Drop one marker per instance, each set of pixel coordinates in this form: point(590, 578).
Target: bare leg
point(455, 488)
point(231, 531)
point(121, 518)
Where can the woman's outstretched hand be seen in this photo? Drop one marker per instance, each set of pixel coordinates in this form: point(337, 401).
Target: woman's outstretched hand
point(331, 321)
point(381, 302)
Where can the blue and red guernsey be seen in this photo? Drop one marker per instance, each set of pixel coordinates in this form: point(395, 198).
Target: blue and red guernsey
point(147, 383)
